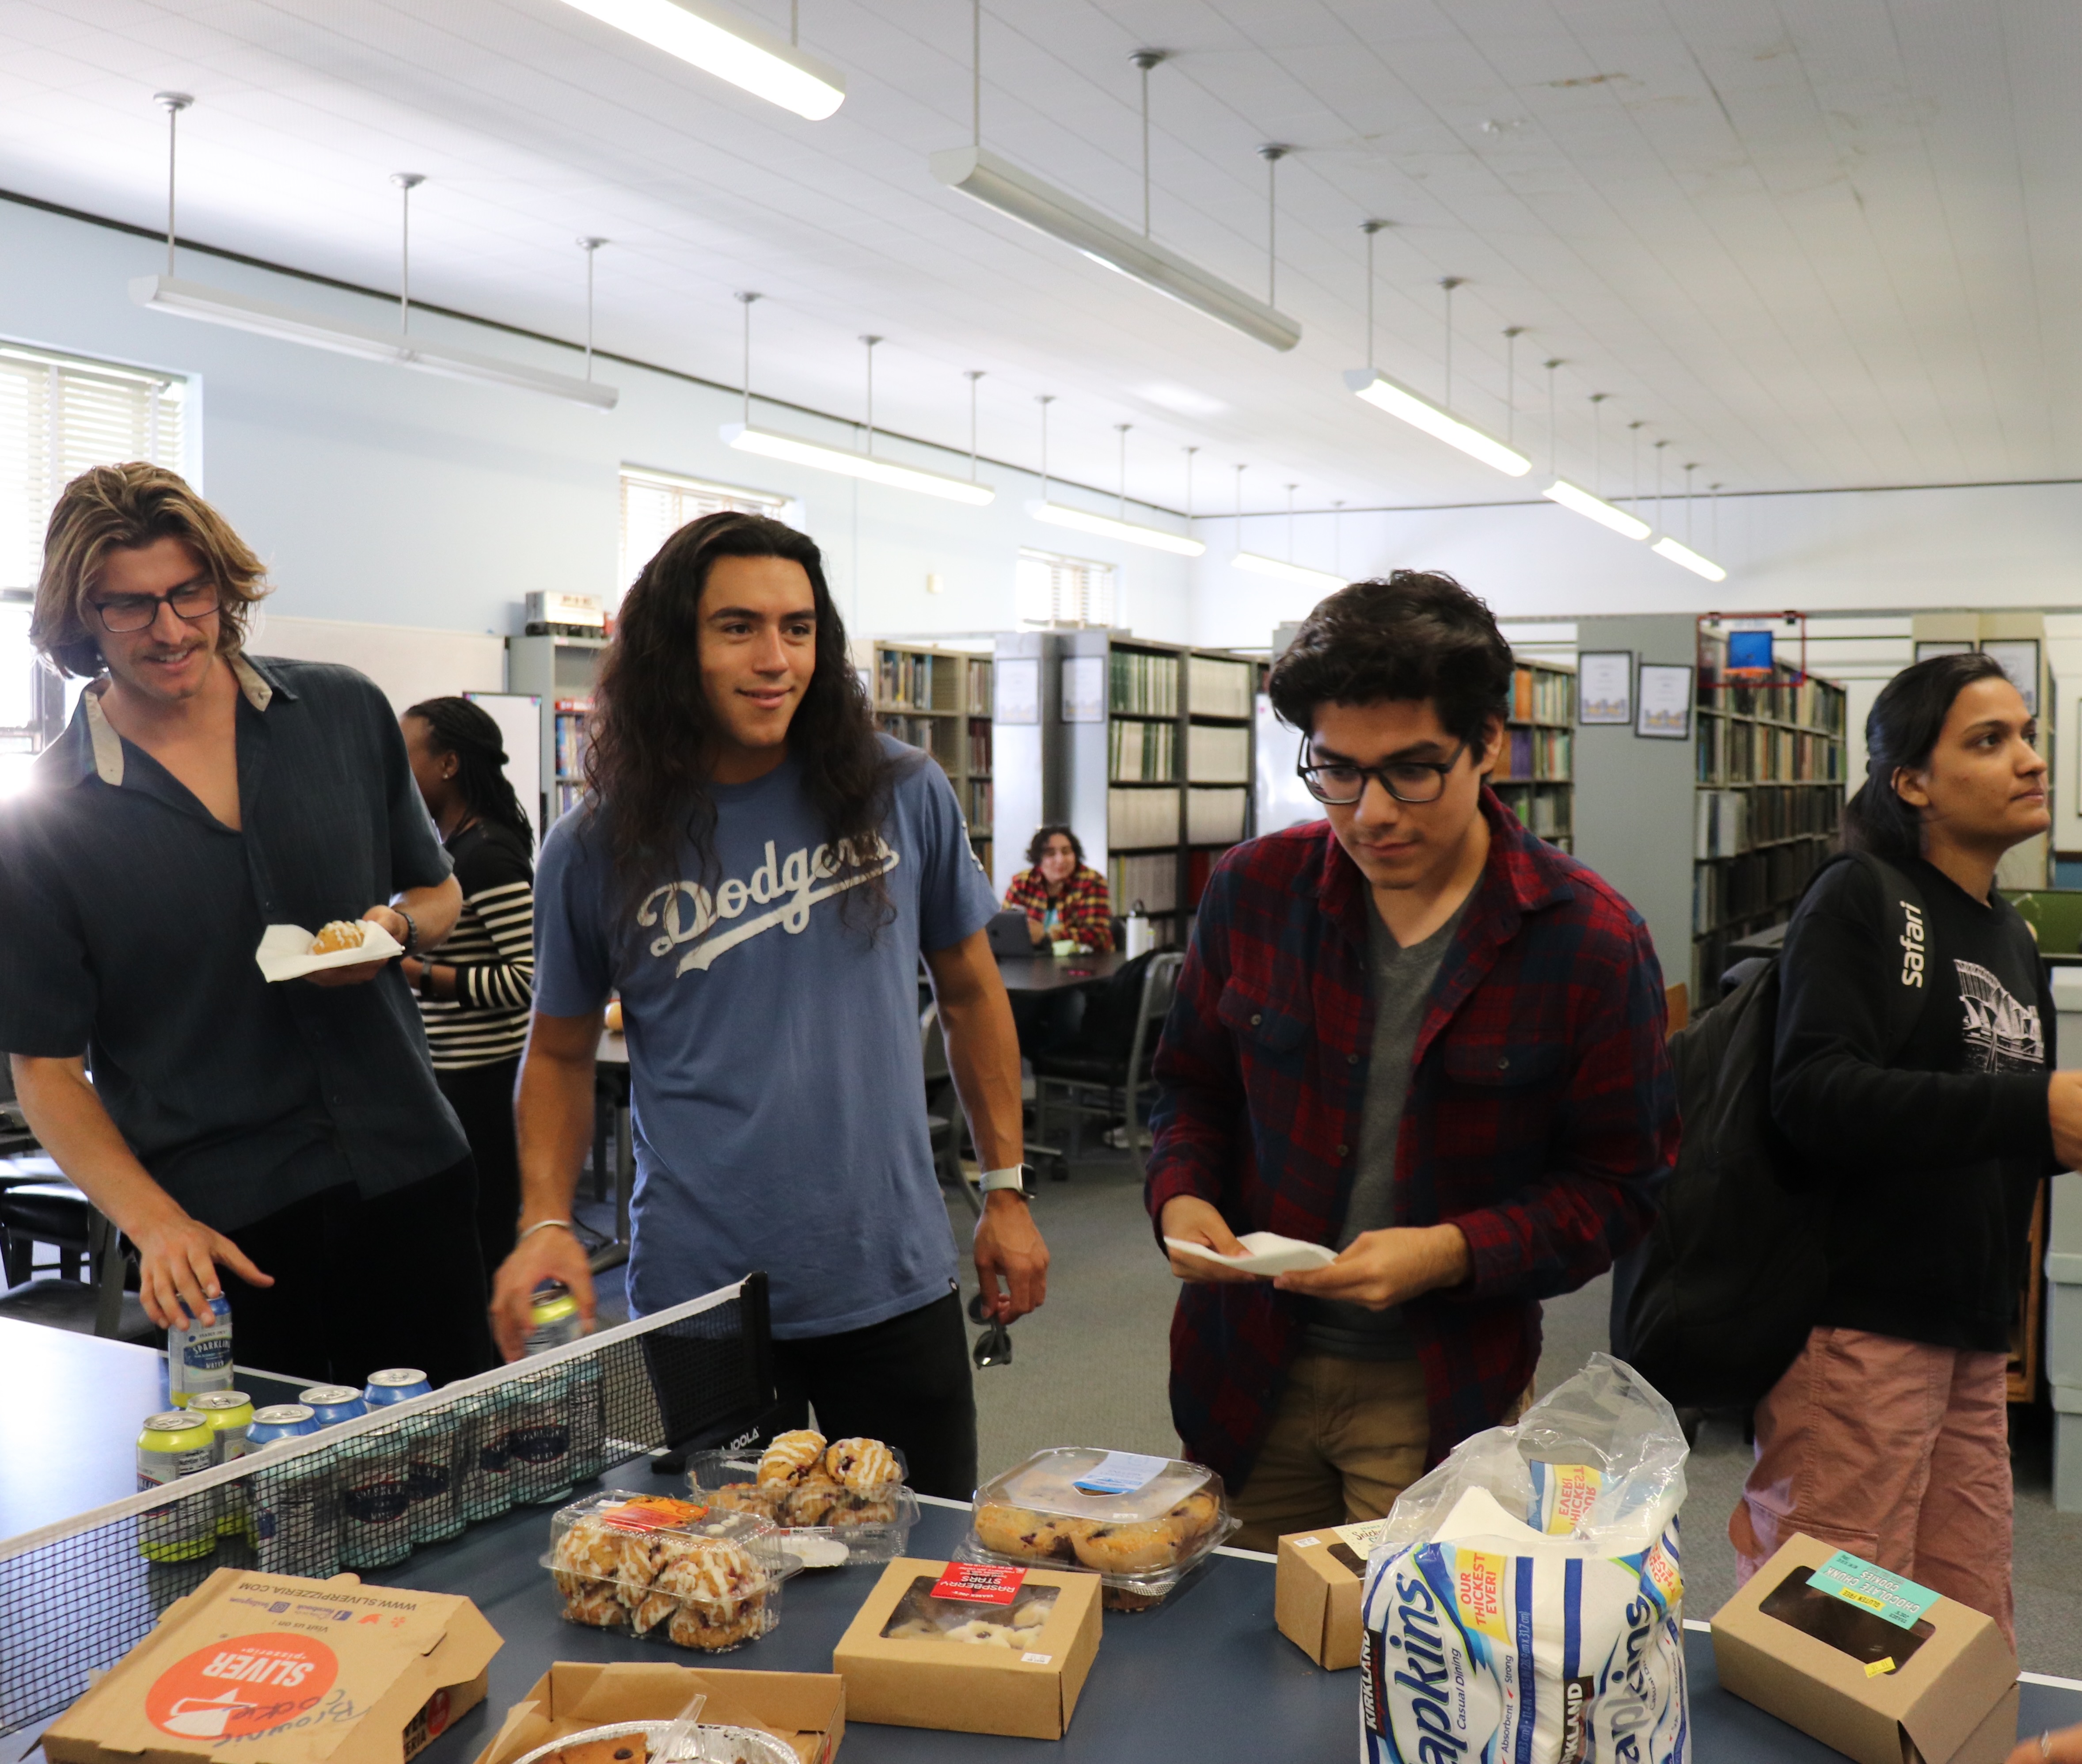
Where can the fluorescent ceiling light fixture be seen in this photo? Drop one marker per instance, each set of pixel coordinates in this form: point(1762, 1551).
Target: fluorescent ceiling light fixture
point(1398, 400)
point(1595, 509)
point(1688, 559)
point(721, 43)
point(1000, 185)
point(1058, 514)
point(771, 444)
point(216, 306)
point(1280, 570)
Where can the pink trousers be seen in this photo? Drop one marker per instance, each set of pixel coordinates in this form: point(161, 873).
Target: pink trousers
point(1894, 1451)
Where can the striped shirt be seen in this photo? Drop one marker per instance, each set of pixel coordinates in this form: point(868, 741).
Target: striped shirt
point(492, 950)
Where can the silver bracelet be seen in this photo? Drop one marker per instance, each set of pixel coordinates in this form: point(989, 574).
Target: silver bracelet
point(545, 1225)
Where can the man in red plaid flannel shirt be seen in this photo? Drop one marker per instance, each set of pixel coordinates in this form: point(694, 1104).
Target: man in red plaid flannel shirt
point(1418, 1036)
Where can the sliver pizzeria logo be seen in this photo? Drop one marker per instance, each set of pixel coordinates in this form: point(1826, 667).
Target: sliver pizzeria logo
point(687, 913)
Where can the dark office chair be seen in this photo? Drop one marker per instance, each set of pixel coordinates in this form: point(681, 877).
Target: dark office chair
point(52, 1211)
point(1104, 1072)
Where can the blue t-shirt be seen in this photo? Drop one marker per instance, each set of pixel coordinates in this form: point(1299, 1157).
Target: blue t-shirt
point(777, 1089)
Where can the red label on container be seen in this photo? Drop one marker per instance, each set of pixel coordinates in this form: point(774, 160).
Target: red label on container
point(651, 1513)
point(979, 1583)
point(245, 1685)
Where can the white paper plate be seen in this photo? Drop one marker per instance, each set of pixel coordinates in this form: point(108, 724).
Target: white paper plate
point(1266, 1252)
point(284, 951)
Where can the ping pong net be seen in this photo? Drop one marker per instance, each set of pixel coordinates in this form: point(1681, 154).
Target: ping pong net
point(361, 1496)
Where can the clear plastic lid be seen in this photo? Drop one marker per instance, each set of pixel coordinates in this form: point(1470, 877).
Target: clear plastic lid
point(1139, 1522)
point(671, 1570)
point(820, 1521)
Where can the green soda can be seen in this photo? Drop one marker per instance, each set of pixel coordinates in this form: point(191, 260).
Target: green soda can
point(174, 1445)
point(229, 1414)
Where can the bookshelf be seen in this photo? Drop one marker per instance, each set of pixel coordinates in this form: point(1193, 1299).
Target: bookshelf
point(1769, 763)
point(1534, 775)
point(560, 671)
point(939, 701)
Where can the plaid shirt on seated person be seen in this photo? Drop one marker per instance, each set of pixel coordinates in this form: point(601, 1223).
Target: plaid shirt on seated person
point(1083, 914)
point(1540, 1107)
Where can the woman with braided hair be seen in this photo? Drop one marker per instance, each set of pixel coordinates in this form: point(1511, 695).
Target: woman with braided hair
point(475, 991)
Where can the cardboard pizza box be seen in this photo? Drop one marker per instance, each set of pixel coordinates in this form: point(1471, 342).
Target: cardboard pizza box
point(806, 1709)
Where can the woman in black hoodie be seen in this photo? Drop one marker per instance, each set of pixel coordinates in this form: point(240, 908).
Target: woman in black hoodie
point(1887, 1437)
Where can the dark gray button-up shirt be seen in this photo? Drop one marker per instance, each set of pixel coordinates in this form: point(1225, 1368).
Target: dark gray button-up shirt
point(129, 916)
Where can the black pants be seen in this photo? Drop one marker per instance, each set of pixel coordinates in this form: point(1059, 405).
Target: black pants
point(363, 1284)
point(905, 1381)
point(1048, 1022)
point(483, 1098)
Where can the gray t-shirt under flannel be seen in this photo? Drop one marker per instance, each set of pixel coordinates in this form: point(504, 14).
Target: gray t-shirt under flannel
point(1401, 987)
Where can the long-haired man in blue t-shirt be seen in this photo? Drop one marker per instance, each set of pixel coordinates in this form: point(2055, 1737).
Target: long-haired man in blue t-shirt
point(757, 871)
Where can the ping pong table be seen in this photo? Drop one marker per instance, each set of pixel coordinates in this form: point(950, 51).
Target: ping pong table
point(1206, 1677)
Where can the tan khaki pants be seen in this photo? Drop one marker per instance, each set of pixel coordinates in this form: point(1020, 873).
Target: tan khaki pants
point(1348, 1437)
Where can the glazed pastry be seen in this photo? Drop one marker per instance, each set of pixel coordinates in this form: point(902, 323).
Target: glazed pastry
point(692, 1626)
point(588, 1555)
point(1031, 1614)
point(743, 1497)
point(596, 1606)
point(1130, 1549)
point(341, 934)
point(864, 1466)
point(655, 1609)
point(862, 1512)
point(792, 1458)
point(984, 1634)
point(809, 1501)
point(637, 1567)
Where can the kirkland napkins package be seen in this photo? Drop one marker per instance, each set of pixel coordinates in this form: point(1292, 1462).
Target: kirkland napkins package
point(1523, 1602)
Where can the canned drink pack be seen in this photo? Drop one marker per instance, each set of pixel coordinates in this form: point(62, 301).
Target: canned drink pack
point(400, 1384)
point(486, 1466)
point(331, 1404)
point(375, 1502)
point(199, 1357)
point(175, 1444)
point(538, 1436)
point(229, 1414)
point(553, 1318)
point(432, 1443)
point(295, 1511)
point(281, 1420)
point(586, 1404)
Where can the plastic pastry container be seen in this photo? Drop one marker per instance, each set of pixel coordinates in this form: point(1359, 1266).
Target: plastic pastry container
point(668, 1570)
point(853, 1528)
point(1141, 1524)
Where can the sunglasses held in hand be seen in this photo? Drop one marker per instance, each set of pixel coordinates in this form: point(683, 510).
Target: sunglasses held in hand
point(993, 1347)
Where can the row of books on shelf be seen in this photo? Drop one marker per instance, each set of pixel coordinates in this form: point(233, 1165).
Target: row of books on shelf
point(1731, 822)
point(1753, 883)
point(1812, 703)
point(1214, 816)
point(977, 808)
point(1542, 695)
point(1217, 753)
point(1217, 688)
point(980, 699)
point(1141, 683)
point(568, 798)
point(1543, 813)
point(1149, 879)
point(979, 744)
point(921, 682)
point(934, 735)
point(1141, 752)
point(569, 739)
point(1534, 754)
point(1733, 752)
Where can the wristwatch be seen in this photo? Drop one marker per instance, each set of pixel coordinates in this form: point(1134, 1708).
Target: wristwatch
point(412, 930)
point(1012, 1178)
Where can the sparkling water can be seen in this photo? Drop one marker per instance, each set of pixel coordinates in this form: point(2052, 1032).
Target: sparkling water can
point(433, 1472)
point(295, 1509)
point(538, 1436)
point(331, 1404)
point(586, 1404)
point(553, 1318)
point(199, 1357)
point(230, 1416)
point(173, 1445)
point(375, 1502)
point(281, 1420)
point(399, 1384)
point(486, 1469)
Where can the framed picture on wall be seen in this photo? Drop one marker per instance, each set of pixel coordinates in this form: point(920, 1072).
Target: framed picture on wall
point(2018, 658)
point(1946, 646)
point(1663, 711)
point(1018, 679)
point(1084, 689)
point(1604, 686)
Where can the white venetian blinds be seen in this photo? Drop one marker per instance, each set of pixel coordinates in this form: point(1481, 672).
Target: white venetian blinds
point(57, 418)
point(656, 505)
point(1056, 590)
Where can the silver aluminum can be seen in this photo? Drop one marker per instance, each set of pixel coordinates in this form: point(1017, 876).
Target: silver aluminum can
point(433, 1473)
point(375, 1501)
point(487, 1481)
point(539, 1436)
point(295, 1516)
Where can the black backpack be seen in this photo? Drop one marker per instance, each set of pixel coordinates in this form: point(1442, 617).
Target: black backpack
point(1726, 1286)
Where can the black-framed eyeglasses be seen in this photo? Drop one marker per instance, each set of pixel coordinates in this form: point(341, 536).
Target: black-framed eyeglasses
point(121, 612)
point(1342, 784)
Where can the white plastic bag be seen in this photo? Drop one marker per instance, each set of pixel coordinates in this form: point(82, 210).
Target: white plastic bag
point(1523, 1605)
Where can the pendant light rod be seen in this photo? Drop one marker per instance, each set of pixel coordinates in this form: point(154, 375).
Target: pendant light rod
point(870, 342)
point(589, 245)
point(1190, 452)
point(1598, 442)
point(1044, 401)
point(1553, 471)
point(976, 73)
point(974, 375)
point(1290, 489)
point(172, 103)
point(1272, 153)
point(1511, 334)
point(1633, 462)
point(1338, 536)
point(407, 182)
point(745, 296)
point(1449, 283)
point(1144, 59)
point(1690, 467)
point(1659, 446)
point(1120, 499)
point(1241, 471)
point(1370, 228)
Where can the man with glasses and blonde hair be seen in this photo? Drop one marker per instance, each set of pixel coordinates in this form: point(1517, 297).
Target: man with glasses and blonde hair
point(1415, 1034)
point(290, 1135)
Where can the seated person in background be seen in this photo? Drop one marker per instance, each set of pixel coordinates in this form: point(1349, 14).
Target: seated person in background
point(1063, 898)
point(1066, 900)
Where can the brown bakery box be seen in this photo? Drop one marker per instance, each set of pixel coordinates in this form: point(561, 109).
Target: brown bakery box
point(1029, 1692)
point(271, 1668)
point(1317, 1587)
point(1946, 1694)
point(806, 1709)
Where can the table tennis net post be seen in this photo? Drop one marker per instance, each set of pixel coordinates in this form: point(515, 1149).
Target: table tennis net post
point(361, 1496)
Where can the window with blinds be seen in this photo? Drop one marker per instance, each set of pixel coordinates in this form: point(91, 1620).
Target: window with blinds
point(1053, 590)
point(656, 505)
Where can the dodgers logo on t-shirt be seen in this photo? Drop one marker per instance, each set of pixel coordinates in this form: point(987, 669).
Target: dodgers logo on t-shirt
point(689, 912)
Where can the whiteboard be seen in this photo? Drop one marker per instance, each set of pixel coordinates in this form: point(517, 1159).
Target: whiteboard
point(407, 662)
point(519, 715)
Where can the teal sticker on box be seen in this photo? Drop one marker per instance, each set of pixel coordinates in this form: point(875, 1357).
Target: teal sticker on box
point(1871, 1587)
